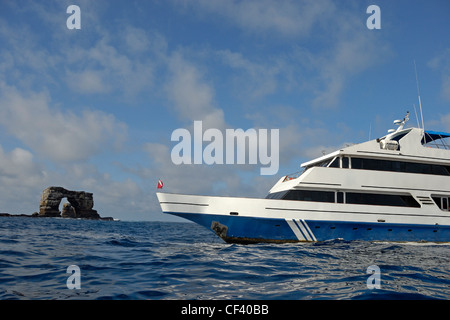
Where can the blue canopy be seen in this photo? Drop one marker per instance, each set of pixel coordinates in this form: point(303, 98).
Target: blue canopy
point(435, 135)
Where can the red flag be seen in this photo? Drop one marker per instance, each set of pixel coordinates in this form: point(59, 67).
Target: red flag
point(160, 184)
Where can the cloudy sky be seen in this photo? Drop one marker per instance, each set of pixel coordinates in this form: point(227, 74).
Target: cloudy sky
point(94, 109)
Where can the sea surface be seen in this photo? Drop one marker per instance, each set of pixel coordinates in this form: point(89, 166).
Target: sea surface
point(165, 261)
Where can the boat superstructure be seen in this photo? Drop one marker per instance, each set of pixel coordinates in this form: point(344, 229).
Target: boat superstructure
point(395, 188)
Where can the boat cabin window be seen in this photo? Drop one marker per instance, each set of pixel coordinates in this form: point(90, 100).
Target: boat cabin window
point(276, 195)
point(376, 199)
point(443, 202)
point(399, 166)
point(381, 199)
point(310, 195)
point(326, 163)
point(345, 162)
point(330, 162)
point(334, 163)
point(339, 197)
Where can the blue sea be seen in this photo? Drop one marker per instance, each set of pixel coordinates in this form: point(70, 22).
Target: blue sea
point(184, 261)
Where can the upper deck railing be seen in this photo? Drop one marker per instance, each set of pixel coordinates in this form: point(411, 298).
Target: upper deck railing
point(294, 175)
point(438, 140)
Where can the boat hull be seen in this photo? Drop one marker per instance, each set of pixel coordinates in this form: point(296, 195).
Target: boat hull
point(247, 220)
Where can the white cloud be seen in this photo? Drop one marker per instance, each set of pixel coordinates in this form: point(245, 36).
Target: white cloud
point(442, 123)
point(54, 134)
point(98, 62)
point(446, 87)
point(136, 40)
point(104, 68)
point(252, 79)
point(18, 167)
point(286, 18)
point(342, 47)
point(87, 81)
point(191, 95)
point(20, 181)
point(441, 63)
point(446, 122)
point(354, 50)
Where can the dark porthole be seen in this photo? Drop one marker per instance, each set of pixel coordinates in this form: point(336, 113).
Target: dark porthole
point(332, 227)
point(368, 229)
point(389, 229)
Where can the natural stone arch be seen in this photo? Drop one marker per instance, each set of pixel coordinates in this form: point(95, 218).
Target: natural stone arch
point(81, 203)
point(67, 209)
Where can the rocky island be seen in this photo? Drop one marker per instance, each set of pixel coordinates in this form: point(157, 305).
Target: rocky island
point(80, 205)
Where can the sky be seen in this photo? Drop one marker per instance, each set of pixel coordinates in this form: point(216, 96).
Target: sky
point(94, 108)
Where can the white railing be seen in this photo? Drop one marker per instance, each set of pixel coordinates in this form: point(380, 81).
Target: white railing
point(438, 144)
point(294, 175)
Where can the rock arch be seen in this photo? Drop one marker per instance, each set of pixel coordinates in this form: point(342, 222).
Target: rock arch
point(81, 204)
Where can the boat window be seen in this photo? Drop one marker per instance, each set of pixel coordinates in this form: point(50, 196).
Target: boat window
point(339, 197)
point(399, 136)
point(399, 166)
point(276, 195)
point(375, 199)
point(310, 195)
point(357, 163)
point(442, 202)
point(381, 199)
point(345, 162)
point(437, 200)
point(440, 170)
point(322, 163)
point(334, 163)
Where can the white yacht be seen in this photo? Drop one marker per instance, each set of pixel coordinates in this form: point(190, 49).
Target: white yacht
point(395, 188)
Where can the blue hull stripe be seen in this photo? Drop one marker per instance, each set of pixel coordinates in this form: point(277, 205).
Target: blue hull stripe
point(288, 230)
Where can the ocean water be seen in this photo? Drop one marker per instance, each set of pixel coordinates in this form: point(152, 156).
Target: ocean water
point(183, 261)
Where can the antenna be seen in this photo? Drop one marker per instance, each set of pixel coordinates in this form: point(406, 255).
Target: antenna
point(418, 92)
point(417, 118)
